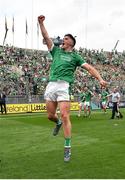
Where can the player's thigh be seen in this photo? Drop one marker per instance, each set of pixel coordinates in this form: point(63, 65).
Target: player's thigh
point(64, 108)
point(80, 105)
point(51, 107)
point(103, 104)
point(85, 105)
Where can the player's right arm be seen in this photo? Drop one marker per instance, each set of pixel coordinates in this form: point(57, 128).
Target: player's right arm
point(94, 73)
point(44, 32)
point(109, 95)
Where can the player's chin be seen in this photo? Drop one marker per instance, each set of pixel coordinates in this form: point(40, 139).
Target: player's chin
point(63, 46)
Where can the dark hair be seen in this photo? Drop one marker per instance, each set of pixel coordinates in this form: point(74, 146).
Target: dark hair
point(71, 36)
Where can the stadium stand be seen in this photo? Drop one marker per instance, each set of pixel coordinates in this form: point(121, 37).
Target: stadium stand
point(25, 72)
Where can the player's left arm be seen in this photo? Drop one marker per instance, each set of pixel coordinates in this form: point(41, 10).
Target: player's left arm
point(94, 73)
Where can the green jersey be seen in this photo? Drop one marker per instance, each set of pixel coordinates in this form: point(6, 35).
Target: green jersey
point(104, 96)
point(86, 96)
point(64, 64)
point(82, 97)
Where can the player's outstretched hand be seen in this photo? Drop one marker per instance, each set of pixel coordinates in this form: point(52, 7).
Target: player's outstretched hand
point(103, 83)
point(41, 18)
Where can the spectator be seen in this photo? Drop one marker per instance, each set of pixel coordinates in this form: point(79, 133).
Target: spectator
point(115, 100)
point(3, 103)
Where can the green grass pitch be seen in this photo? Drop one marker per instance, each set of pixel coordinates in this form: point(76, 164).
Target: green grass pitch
point(28, 150)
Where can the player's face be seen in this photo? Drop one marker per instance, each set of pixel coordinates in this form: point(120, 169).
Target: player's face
point(67, 42)
point(114, 90)
point(85, 89)
point(103, 88)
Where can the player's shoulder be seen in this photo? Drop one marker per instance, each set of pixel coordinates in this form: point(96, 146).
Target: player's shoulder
point(54, 48)
point(90, 92)
point(118, 93)
point(76, 53)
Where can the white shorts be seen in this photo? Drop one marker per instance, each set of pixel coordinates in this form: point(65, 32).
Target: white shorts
point(86, 103)
point(81, 104)
point(57, 91)
point(104, 103)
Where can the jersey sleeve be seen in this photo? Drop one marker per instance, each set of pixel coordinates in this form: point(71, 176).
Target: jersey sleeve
point(82, 97)
point(53, 50)
point(107, 93)
point(91, 93)
point(80, 60)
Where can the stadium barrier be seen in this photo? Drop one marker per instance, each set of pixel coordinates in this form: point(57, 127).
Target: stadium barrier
point(38, 107)
point(121, 104)
point(41, 107)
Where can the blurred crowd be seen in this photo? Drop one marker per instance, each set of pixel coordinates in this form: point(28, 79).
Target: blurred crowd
point(111, 66)
point(25, 71)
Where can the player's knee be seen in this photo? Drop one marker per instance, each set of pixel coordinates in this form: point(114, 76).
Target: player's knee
point(64, 116)
point(51, 116)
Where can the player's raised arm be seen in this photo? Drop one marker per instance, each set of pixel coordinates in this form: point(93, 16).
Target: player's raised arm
point(94, 73)
point(44, 32)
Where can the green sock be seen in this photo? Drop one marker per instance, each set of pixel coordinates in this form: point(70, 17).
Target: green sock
point(59, 121)
point(67, 142)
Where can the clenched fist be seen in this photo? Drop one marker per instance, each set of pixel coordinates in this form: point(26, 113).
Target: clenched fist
point(103, 83)
point(41, 18)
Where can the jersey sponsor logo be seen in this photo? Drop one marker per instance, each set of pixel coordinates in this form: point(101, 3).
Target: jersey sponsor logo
point(64, 57)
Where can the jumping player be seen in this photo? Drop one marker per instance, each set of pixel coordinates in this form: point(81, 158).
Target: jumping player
point(65, 62)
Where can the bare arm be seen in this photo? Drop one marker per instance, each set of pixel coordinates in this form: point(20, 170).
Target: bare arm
point(107, 99)
point(44, 32)
point(94, 73)
point(109, 95)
